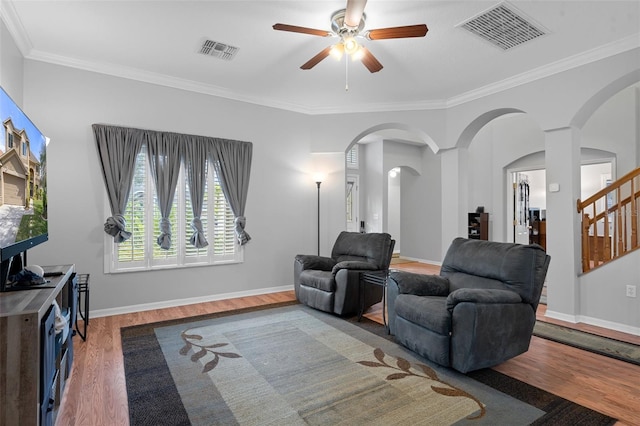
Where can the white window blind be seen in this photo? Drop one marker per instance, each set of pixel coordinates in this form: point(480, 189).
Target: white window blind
point(352, 157)
point(141, 251)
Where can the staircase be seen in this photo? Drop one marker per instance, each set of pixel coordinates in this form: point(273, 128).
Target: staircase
point(610, 221)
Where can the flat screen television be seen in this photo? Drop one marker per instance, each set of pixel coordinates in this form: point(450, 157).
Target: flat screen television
point(23, 187)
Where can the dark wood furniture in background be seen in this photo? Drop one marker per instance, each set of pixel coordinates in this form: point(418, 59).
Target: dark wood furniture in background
point(538, 233)
point(478, 225)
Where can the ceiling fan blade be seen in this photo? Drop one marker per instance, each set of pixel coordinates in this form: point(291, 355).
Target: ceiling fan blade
point(353, 13)
point(303, 30)
point(370, 61)
point(398, 32)
point(314, 61)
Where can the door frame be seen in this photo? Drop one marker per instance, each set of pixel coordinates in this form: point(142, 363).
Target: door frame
point(353, 223)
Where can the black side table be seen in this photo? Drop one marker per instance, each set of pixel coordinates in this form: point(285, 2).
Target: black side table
point(83, 308)
point(378, 278)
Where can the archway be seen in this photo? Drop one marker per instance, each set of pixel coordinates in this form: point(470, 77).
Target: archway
point(370, 157)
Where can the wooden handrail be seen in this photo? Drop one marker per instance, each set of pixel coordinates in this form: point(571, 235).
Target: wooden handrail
point(610, 221)
point(604, 191)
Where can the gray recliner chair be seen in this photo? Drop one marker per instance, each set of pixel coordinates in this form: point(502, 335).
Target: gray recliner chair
point(479, 312)
point(332, 284)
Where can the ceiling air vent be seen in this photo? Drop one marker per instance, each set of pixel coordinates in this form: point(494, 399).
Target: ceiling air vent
point(218, 50)
point(503, 27)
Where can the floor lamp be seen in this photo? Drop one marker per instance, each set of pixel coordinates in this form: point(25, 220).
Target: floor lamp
point(318, 184)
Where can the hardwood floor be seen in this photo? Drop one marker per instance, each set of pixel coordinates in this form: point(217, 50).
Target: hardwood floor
point(96, 392)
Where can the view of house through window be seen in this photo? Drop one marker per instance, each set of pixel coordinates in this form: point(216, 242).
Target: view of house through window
point(142, 251)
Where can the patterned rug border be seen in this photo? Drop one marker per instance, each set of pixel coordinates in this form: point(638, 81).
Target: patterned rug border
point(585, 347)
point(132, 330)
point(558, 410)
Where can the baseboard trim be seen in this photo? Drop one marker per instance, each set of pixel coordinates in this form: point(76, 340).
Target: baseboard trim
point(415, 259)
point(610, 325)
point(624, 328)
point(562, 317)
point(188, 301)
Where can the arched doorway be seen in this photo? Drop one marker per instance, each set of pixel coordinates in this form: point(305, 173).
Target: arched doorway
point(373, 196)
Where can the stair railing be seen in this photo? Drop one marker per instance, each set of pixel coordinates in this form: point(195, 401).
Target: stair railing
point(610, 221)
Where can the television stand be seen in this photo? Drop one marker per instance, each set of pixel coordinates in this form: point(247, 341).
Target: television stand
point(37, 360)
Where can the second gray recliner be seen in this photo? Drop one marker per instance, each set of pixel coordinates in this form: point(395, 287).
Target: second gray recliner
point(479, 312)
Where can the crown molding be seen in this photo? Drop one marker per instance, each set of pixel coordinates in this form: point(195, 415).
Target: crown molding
point(14, 26)
point(161, 80)
point(584, 58)
point(381, 107)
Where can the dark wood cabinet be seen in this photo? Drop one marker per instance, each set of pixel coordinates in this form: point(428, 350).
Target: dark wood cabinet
point(36, 359)
point(538, 233)
point(478, 226)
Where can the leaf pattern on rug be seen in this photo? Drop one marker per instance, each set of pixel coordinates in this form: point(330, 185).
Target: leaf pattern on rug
point(404, 368)
point(200, 350)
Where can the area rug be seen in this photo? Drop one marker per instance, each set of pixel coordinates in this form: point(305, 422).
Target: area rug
point(612, 348)
point(291, 365)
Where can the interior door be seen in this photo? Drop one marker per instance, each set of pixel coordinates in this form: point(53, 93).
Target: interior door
point(352, 203)
point(520, 208)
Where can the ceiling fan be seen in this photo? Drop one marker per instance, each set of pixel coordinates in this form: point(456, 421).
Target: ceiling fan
point(347, 24)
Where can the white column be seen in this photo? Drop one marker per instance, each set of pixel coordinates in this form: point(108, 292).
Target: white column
point(455, 200)
point(562, 158)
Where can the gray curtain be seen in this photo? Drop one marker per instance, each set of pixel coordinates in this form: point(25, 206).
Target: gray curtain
point(195, 162)
point(164, 161)
point(117, 149)
point(232, 161)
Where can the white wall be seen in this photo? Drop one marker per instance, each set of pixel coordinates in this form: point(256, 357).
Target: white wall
point(394, 207)
point(281, 204)
point(613, 127)
point(372, 187)
point(419, 198)
point(593, 178)
point(602, 301)
point(419, 187)
point(11, 65)
point(421, 209)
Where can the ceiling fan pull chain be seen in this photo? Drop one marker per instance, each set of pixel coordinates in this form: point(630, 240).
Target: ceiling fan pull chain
point(346, 72)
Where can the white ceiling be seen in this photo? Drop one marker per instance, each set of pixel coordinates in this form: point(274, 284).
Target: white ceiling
point(158, 42)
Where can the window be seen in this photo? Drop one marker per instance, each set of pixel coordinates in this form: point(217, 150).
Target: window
point(142, 252)
point(10, 141)
point(352, 157)
point(24, 149)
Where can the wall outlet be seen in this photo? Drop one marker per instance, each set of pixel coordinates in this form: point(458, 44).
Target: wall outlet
point(631, 291)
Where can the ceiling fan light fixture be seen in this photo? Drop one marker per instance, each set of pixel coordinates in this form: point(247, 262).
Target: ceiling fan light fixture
point(358, 54)
point(351, 46)
point(348, 24)
point(337, 50)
